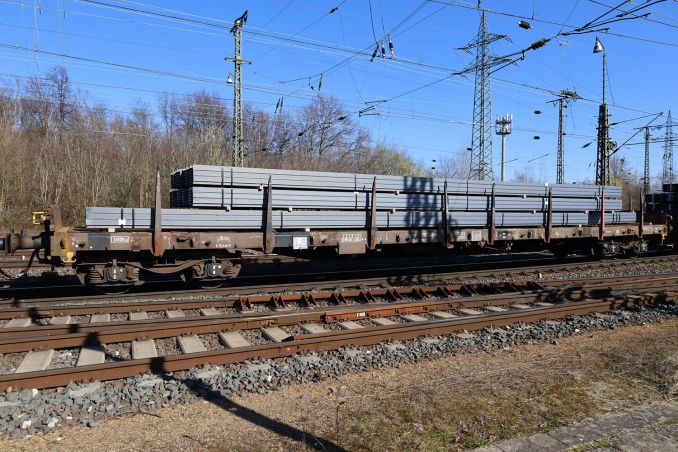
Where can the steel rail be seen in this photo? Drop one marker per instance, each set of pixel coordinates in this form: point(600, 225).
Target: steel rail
point(331, 283)
point(279, 300)
point(334, 278)
point(37, 312)
point(312, 342)
point(73, 335)
point(61, 336)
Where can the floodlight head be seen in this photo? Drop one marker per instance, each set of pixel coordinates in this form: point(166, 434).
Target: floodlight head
point(598, 46)
point(229, 80)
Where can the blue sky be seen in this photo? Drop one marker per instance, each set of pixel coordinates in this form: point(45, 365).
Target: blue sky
point(298, 39)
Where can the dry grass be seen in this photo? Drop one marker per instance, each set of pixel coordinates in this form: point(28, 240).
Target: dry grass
point(597, 444)
point(452, 403)
point(472, 410)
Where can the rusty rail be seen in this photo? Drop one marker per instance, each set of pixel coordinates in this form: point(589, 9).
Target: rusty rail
point(330, 281)
point(315, 342)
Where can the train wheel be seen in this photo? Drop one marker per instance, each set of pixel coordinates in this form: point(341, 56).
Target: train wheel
point(209, 284)
point(110, 279)
point(112, 289)
point(213, 274)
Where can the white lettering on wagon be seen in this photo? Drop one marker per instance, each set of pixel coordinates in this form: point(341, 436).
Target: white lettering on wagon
point(352, 238)
point(120, 239)
point(223, 242)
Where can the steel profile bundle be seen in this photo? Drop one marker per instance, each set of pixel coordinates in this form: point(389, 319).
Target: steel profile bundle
point(224, 176)
point(239, 198)
point(222, 198)
point(664, 201)
point(204, 219)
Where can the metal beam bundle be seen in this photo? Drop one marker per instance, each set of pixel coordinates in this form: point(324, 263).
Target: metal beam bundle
point(233, 198)
point(665, 201)
point(225, 176)
point(204, 219)
point(244, 198)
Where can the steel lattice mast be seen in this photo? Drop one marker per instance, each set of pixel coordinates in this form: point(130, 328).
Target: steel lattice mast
point(560, 169)
point(238, 130)
point(667, 173)
point(646, 166)
point(603, 148)
point(563, 100)
point(481, 138)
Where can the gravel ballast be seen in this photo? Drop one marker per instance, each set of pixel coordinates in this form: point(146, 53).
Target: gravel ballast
point(31, 411)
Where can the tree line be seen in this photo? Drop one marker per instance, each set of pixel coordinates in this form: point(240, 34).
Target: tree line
point(57, 145)
point(60, 146)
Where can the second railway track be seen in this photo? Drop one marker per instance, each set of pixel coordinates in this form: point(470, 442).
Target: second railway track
point(526, 269)
point(105, 348)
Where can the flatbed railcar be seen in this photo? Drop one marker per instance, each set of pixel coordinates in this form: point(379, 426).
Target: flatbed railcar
point(114, 260)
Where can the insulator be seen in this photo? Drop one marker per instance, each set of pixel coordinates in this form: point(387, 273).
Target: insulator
point(374, 54)
point(538, 44)
point(525, 24)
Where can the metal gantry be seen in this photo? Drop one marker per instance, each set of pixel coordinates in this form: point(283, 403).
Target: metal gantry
point(667, 173)
point(481, 138)
point(238, 130)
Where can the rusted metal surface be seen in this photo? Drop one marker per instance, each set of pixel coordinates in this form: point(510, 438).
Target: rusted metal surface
point(41, 308)
point(549, 217)
point(269, 240)
point(372, 236)
point(314, 342)
point(330, 280)
point(435, 299)
point(244, 303)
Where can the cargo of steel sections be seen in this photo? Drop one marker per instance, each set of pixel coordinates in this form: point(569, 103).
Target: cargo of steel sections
point(215, 197)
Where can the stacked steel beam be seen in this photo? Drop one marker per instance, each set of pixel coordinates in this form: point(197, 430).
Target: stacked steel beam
point(215, 197)
point(664, 201)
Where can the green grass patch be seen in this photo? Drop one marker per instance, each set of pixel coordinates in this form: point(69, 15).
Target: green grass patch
point(597, 444)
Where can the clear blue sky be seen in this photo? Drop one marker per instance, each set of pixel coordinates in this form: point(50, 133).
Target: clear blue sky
point(294, 39)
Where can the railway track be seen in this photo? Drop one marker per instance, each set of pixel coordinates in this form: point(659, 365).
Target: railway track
point(526, 269)
point(104, 347)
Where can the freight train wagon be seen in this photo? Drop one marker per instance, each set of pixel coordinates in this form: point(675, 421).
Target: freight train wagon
point(217, 214)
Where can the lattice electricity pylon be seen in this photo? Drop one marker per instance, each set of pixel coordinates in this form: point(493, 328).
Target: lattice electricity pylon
point(667, 173)
point(481, 137)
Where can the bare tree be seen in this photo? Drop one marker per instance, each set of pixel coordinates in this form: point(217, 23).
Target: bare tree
point(66, 148)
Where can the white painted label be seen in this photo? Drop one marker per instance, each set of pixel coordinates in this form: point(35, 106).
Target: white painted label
point(122, 222)
point(299, 243)
point(120, 239)
point(352, 238)
point(223, 242)
point(476, 236)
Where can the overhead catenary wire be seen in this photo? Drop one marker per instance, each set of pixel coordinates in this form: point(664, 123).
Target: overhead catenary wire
point(331, 11)
point(545, 21)
point(402, 94)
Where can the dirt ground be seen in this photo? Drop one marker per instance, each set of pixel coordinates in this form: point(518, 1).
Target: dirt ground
point(452, 403)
